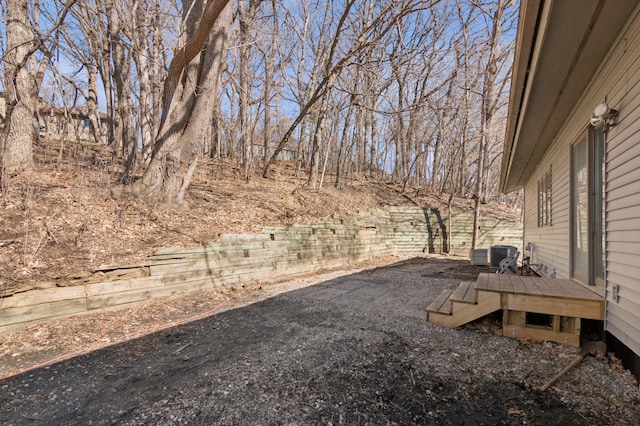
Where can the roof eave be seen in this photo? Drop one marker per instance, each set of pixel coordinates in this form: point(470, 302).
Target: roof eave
point(552, 69)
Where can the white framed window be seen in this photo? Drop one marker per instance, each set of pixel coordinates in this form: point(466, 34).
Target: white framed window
point(544, 199)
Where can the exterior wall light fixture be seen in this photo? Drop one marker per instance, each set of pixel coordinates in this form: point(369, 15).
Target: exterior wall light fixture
point(604, 116)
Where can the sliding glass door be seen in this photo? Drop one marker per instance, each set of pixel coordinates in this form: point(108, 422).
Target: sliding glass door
point(587, 208)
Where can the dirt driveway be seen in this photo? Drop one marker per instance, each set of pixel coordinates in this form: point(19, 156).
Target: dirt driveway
point(350, 350)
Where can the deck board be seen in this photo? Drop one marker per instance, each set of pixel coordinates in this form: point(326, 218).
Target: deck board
point(575, 290)
point(470, 297)
point(441, 304)
point(546, 289)
point(532, 285)
point(519, 285)
point(482, 283)
point(465, 292)
point(505, 283)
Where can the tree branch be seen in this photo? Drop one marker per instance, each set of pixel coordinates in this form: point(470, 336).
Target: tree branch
point(193, 46)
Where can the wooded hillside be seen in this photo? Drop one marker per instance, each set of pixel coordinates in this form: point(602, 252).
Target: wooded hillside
point(130, 125)
point(411, 91)
point(62, 222)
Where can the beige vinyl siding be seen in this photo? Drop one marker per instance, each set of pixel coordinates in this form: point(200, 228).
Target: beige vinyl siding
point(621, 222)
point(617, 80)
point(550, 243)
point(625, 327)
point(623, 192)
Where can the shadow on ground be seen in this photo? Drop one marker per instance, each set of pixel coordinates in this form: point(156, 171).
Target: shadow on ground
point(351, 350)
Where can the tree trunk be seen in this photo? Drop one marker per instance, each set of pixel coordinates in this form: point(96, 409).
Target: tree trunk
point(95, 129)
point(318, 136)
point(270, 61)
point(156, 68)
point(343, 141)
point(215, 137)
point(126, 144)
point(188, 102)
point(21, 127)
point(141, 58)
point(488, 108)
point(245, 16)
point(315, 150)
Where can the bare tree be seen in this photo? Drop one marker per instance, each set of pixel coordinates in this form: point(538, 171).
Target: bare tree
point(246, 17)
point(496, 14)
point(388, 14)
point(189, 97)
point(143, 56)
point(21, 126)
point(22, 79)
point(407, 90)
point(268, 92)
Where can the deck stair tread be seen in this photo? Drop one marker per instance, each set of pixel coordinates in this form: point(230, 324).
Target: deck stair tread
point(442, 303)
point(465, 292)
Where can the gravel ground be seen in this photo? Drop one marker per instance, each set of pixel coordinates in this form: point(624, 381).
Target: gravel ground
point(350, 350)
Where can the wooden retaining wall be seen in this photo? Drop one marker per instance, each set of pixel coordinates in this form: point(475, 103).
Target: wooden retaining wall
point(242, 260)
point(490, 233)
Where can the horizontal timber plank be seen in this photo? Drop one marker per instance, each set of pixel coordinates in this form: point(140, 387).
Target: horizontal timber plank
point(140, 295)
point(110, 287)
point(255, 253)
point(242, 237)
point(215, 272)
point(42, 296)
point(42, 311)
point(253, 275)
point(541, 335)
point(589, 309)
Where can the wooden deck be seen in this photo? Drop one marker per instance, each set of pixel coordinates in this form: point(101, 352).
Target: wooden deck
point(533, 308)
point(539, 286)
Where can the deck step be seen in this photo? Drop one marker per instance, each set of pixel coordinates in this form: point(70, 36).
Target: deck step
point(465, 293)
point(459, 313)
point(534, 308)
point(442, 303)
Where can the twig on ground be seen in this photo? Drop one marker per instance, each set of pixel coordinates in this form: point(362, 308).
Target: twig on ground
point(180, 349)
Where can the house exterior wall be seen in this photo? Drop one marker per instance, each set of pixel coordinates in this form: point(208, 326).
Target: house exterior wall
point(54, 124)
point(550, 253)
point(617, 81)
